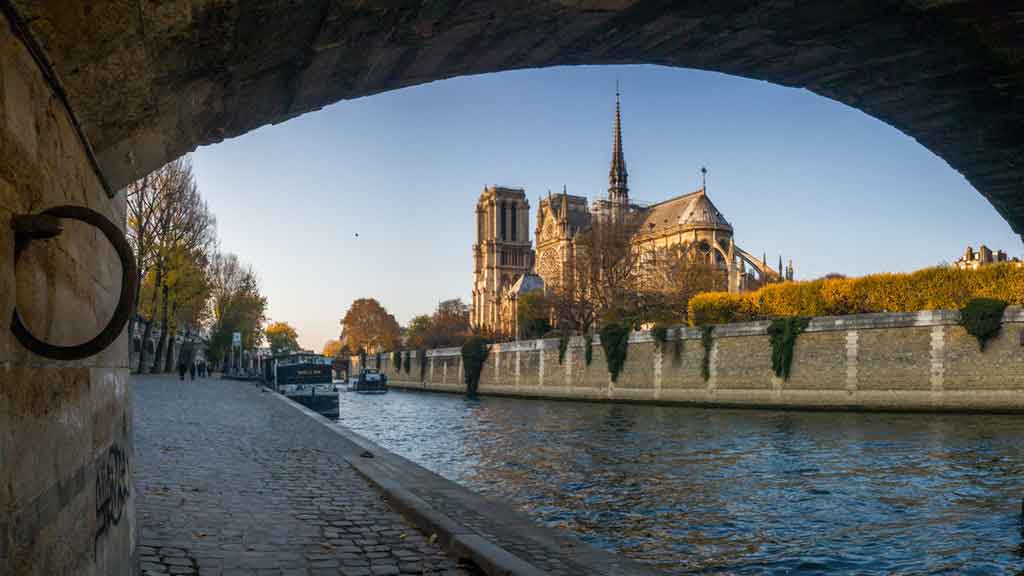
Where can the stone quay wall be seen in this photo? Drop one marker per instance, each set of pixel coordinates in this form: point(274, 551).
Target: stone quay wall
point(890, 361)
point(67, 503)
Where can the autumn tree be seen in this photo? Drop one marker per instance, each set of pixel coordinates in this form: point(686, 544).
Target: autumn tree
point(332, 348)
point(368, 326)
point(418, 331)
point(281, 337)
point(236, 303)
point(449, 326)
point(173, 234)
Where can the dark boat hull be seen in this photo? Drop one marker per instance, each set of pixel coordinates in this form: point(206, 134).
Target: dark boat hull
point(326, 404)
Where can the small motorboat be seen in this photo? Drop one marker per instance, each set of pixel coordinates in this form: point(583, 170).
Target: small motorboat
point(371, 382)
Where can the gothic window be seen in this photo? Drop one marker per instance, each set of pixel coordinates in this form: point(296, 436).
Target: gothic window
point(501, 207)
point(548, 266)
point(513, 209)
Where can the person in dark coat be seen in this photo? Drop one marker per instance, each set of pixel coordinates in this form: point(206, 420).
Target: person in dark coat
point(192, 371)
point(181, 371)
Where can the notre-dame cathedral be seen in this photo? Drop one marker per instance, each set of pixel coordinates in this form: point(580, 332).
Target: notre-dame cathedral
point(506, 266)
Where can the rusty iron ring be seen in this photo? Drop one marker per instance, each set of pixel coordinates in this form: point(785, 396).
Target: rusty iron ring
point(46, 225)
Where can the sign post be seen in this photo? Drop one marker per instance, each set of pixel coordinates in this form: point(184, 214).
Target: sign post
point(236, 342)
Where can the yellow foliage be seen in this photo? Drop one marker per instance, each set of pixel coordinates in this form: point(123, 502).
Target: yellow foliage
point(928, 289)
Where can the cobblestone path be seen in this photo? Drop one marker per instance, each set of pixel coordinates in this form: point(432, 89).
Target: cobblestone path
point(230, 481)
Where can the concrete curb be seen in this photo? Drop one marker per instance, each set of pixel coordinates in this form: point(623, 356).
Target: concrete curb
point(458, 540)
point(390, 474)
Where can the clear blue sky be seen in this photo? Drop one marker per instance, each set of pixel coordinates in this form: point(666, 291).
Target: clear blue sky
point(796, 174)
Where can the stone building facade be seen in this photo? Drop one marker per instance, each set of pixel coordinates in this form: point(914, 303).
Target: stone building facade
point(983, 256)
point(691, 221)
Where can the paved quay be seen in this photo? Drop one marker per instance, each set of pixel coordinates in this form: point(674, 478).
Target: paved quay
point(230, 481)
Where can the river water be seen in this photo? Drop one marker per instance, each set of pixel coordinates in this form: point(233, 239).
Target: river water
point(695, 490)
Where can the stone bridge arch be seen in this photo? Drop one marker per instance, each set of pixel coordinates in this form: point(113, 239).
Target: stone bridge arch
point(150, 81)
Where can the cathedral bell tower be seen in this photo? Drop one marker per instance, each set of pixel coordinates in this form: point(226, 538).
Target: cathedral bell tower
point(502, 252)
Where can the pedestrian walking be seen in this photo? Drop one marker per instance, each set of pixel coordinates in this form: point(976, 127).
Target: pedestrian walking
point(192, 371)
point(181, 371)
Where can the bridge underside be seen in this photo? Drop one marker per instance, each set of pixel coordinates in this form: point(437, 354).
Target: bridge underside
point(149, 81)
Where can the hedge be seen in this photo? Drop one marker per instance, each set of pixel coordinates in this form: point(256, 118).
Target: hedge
point(943, 288)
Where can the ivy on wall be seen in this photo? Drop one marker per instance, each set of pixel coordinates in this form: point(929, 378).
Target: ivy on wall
point(406, 361)
point(474, 355)
point(615, 342)
point(660, 335)
point(563, 345)
point(783, 332)
point(396, 360)
point(423, 363)
point(707, 338)
point(588, 348)
point(983, 318)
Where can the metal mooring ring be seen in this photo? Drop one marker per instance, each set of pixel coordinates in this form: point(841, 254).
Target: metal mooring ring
point(46, 225)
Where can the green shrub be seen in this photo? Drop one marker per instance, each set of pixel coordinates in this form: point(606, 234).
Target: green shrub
point(983, 318)
point(615, 342)
point(406, 361)
point(532, 312)
point(588, 348)
point(396, 360)
point(707, 339)
point(422, 354)
point(563, 345)
point(783, 332)
point(928, 289)
point(474, 355)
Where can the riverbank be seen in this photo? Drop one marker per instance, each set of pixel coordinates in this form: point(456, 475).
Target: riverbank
point(889, 362)
point(235, 478)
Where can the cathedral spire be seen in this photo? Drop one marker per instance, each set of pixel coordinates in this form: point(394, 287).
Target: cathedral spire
point(618, 178)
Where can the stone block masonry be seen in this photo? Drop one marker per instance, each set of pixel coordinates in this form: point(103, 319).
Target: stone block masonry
point(66, 453)
point(893, 361)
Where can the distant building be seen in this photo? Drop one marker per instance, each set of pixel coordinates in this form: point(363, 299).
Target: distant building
point(506, 266)
point(972, 260)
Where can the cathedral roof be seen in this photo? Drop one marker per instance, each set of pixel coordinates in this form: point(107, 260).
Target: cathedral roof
point(578, 218)
point(528, 282)
point(693, 210)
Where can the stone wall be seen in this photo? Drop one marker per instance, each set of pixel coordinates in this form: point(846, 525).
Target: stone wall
point(921, 361)
point(66, 494)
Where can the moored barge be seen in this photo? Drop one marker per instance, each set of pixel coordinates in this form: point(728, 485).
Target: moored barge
point(306, 378)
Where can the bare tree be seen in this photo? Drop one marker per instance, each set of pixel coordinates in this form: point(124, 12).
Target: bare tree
point(604, 274)
point(669, 277)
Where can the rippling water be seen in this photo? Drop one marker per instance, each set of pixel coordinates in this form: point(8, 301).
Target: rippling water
point(731, 491)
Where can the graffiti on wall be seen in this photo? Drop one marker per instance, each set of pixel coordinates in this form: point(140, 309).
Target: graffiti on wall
point(112, 489)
